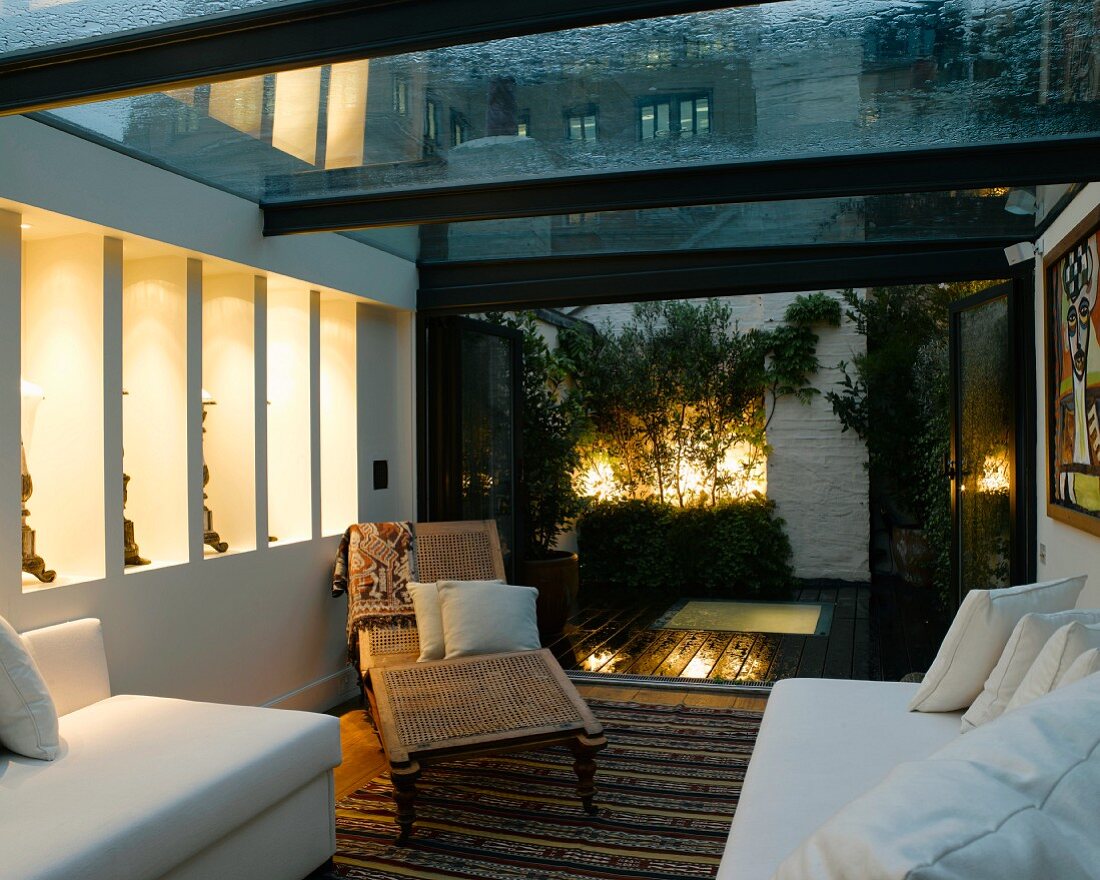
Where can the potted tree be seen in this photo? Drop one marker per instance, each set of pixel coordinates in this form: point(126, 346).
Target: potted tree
point(551, 428)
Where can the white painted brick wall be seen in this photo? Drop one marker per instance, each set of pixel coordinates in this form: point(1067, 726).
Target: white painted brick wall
point(817, 474)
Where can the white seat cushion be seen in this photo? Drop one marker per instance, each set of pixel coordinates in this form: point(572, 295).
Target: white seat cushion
point(977, 638)
point(28, 717)
point(822, 744)
point(1016, 798)
point(1085, 665)
point(1027, 640)
point(429, 618)
point(486, 617)
point(1054, 661)
point(157, 781)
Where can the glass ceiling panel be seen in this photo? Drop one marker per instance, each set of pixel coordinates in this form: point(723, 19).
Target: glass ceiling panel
point(889, 218)
point(803, 77)
point(37, 24)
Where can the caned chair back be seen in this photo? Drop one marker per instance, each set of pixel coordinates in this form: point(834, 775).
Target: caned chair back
point(461, 551)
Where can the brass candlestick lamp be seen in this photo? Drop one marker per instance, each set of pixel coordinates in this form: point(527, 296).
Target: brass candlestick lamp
point(209, 537)
point(129, 544)
point(33, 564)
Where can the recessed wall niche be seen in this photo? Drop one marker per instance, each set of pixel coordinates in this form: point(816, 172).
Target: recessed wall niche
point(339, 459)
point(289, 485)
point(154, 407)
point(229, 406)
point(62, 414)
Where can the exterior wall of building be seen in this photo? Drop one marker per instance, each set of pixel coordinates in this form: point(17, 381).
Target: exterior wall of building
point(817, 474)
point(1063, 550)
point(257, 626)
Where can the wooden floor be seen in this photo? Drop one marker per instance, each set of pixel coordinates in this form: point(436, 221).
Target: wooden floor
point(622, 640)
point(364, 759)
point(877, 633)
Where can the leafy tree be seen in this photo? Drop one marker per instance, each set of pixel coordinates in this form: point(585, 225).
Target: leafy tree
point(679, 386)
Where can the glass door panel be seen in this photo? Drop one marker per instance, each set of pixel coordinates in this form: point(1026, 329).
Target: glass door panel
point(473, 464)
point(989, 456)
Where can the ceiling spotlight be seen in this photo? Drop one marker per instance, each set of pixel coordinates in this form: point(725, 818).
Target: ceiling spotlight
point(24, 225)
point(1021, 202)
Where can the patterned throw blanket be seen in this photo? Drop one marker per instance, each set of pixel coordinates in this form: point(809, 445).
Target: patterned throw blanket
point(373, 566)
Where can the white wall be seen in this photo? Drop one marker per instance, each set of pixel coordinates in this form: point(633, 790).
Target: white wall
point(1068, 550)
point(256, 627)
point(817, 474)
point(51, 169)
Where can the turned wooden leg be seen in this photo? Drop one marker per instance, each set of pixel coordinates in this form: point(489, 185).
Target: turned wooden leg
point(404, 794)
point(584, 764)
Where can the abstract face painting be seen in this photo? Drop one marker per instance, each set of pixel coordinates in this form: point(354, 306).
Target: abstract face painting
point(1075, 378)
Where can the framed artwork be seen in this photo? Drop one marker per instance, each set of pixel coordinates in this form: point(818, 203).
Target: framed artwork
point(1073, 378)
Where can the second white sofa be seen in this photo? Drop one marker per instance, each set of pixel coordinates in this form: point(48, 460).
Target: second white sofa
point(822, 744)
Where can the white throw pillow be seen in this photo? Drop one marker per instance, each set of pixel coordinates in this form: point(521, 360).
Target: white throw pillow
point(429, 618)
point(28, 719)
point(1086, 664)
point(1057, 656)
point(1027, 640)
point(977, 638)
point(1016, 798)
point(483, 617)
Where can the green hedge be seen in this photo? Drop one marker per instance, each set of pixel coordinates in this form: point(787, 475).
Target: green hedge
point(735, 550)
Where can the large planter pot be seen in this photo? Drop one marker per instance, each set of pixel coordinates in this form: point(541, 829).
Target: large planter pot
point(557, 580)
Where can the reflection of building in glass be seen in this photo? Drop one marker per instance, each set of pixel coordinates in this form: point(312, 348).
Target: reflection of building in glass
point(728, 85)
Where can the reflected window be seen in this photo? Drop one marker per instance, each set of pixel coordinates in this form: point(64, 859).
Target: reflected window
point(400, 95)
point(431, 126)
point(580, 123)
point(677, 116)
point(460, 128)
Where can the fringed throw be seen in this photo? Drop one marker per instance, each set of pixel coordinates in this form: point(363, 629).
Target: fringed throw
point(374, 565)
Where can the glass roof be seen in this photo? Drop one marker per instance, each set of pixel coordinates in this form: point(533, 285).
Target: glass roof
point(37, 24)
point(977, 214)
point(802, 77)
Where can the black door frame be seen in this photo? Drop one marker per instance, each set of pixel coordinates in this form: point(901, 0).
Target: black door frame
point(1023, 491)
point(439, 420)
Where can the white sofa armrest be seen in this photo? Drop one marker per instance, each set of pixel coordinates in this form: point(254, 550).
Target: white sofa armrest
point(72, 661)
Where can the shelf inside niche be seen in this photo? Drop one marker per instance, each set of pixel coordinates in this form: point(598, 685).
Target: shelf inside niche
point(154, 407)
point(229, 380)
point(339, 424)
point(289, 445)
point(62, 412)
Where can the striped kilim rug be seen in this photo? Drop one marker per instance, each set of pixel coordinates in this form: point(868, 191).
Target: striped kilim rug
point(668, 785)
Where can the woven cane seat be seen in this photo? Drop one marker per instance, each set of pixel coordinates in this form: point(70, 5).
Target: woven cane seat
point(426, 707)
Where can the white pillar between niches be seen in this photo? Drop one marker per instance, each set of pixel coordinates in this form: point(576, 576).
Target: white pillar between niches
point(315, 412)
point(260, 354)
point(11, 554)
point(114, 555)
point(195, 524)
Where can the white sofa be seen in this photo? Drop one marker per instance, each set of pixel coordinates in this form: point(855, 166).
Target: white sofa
point(822, 743)
point(147, 787)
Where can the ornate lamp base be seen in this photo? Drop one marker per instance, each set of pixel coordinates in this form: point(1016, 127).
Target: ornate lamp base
point(209, 536)
point(130, 547)
point(34, 564)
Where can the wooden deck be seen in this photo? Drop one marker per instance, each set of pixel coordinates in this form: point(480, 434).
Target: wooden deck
point(878, 632)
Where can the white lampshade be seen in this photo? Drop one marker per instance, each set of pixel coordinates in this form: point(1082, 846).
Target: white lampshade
point(30, 395)
point(207, 397)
